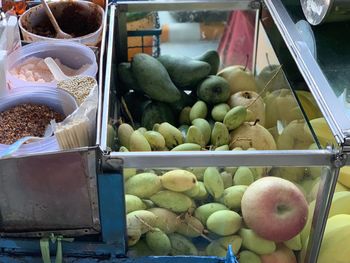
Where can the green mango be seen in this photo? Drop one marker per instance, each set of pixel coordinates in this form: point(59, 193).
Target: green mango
point(154, 79)
point(185, 72)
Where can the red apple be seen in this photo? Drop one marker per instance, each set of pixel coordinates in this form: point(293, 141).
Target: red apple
point(281, 255)
point(274, 208)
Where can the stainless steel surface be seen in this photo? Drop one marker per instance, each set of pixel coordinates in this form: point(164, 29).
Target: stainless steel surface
point(109, 58)
point(256, 36)
point(321, 11)
point(101, 74)
point(174, 5)
point(224, 159)
point(54, 192)
point(319, 220)
point(328, 103)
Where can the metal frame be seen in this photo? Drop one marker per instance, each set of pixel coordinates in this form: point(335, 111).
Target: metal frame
point(118, 160)
point(313, 75)
point(112, 241)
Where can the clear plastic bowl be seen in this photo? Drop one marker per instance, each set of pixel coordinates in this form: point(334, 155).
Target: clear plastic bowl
point(36, 15)
point(73, 55)
point(58, 99)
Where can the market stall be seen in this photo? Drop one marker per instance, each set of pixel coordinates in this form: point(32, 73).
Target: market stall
point(174, 142)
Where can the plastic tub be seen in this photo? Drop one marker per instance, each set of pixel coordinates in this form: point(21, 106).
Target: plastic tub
point(58, 99)
point(73, 55)
point(36, 17)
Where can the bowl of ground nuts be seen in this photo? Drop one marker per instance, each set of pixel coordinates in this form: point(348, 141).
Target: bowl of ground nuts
point(28, 111)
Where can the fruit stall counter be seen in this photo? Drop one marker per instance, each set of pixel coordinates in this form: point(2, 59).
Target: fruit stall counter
point(187, 144)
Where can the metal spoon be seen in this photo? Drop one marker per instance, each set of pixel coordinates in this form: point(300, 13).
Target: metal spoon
point(60, 33)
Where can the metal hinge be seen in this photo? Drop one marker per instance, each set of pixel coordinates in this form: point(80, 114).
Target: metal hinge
point(109, 164)
point(340, 159)
point(256, 4)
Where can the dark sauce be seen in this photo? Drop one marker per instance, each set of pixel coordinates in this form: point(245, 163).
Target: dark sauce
point(73, 20)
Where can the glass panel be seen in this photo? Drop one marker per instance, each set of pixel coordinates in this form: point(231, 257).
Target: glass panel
point(332, 53)
point(270, 113)
point(201, 210)
point(298, 100)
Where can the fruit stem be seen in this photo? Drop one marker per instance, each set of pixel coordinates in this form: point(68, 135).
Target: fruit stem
point(266, 85)
point(127, 112)
point(145, 223)
point(199, 232)
point(255, 122)
point(268, 61)
point(239, 139)
point(246, 63)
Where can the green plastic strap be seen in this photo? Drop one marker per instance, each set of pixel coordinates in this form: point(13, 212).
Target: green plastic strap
point(45, 248)
point(59, 240)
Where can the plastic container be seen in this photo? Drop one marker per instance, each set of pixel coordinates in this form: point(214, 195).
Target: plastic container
point(58, 99)
point(73, 55)
point(36, 16)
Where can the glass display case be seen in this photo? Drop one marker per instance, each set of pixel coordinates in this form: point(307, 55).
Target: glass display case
point(280, 139)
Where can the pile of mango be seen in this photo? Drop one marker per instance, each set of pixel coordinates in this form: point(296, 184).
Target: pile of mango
point(179, 103)
point(190, 212)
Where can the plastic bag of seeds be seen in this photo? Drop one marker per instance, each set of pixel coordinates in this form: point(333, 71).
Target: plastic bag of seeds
point(79, 128)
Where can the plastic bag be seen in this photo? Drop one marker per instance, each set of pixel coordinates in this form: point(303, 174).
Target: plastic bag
point(57, 99)
point(9, 41)
point(79, 128)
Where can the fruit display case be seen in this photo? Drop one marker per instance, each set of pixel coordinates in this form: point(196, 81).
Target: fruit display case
point(289, 156)
point(106, 169)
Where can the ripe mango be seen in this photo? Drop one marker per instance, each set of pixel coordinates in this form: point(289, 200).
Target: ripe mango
point(182, 246)
point(178, 180)
point(194, 135)
point(219, 111)
point(155, 140)
point(204, 211)
point(138, 143)
point(166, 221)
point(224, 222)
point(202, 192)
point(124, 132)
point(171, 134)
point(219, 247)
point(187, 147)
point(184, 117)
point(235, 117)
point(136, 221)
point(256, 243)
point(190, 227)
point(243, 176)
point(233, 196)
point(247, 256)
point(204, 126)
point(133, 203)
point(176, 202)
point(143, 185)
point(220, 135)
point(158, 242)
point(213, 182)
point(198, 110)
